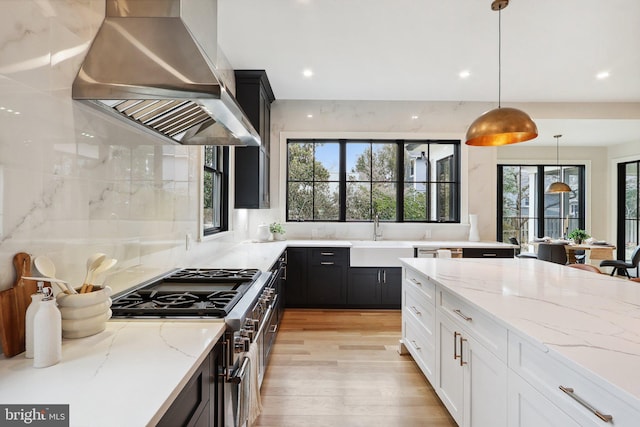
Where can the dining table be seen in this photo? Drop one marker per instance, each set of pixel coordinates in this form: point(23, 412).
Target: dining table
point(596, 251)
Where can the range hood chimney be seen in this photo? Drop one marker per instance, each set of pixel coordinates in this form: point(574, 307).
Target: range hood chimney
point(146, 66)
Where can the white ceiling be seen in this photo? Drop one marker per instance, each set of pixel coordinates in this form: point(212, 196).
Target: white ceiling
point(414, 50)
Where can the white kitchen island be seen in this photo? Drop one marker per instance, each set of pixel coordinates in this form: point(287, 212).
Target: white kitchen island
point(499, 338)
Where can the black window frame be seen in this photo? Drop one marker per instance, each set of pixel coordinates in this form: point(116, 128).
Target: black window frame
point(540, 186)
point(223, 177)
point(454, 182)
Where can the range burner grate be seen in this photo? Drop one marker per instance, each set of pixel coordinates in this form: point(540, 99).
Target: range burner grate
point(213, 274)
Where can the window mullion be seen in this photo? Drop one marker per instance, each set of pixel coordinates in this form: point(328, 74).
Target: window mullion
point(342, 181)
point(400, 181)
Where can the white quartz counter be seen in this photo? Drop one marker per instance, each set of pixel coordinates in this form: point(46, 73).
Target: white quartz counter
point(127, 375)
point(590, 321)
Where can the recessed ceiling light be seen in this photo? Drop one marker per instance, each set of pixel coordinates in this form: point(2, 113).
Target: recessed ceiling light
point(414, 117)
point(309, 116)
point(307, 73)
point(464, 74)
point(602, 75)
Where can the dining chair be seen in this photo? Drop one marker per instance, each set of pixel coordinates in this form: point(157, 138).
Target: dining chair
point(552, 252)
point(621, 266)
point(520, 254)
point(586, 267)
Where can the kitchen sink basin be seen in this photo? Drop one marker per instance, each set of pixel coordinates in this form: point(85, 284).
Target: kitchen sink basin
point(379, 253)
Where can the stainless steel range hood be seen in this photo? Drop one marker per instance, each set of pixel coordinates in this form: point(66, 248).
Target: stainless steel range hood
point(146, 67)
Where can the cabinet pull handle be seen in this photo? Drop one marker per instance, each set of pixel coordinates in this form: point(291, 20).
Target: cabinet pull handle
point(455, 345)
point(327, 253)
point(462, 362)
point(415, 282)
point(571, 393)
point(415, 344)
point(384, 276)
point(379, 281)
point(327, 263)
point(418, 312)
point(459, 313)
point(489, 255)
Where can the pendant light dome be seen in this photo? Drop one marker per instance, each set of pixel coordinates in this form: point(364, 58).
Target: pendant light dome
point(558, 186)
point(501, 126)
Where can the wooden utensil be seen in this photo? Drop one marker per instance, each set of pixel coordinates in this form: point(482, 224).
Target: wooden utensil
point(13, 307)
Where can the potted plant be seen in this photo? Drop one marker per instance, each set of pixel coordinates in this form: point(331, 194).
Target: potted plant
point(578, 235)
point(277, 230)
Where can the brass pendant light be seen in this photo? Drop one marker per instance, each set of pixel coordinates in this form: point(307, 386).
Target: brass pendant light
point(501, 126)
point(558, 186)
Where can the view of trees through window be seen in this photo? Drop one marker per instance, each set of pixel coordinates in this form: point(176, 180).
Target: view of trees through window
point(628, 201)
point(215, 189)
point(353, 180)
point(527, 212)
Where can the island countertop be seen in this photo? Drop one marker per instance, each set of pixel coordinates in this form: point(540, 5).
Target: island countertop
point(589, 321)
point(127, 375)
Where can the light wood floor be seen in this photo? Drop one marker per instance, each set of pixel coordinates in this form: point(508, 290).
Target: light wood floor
point(342, 368)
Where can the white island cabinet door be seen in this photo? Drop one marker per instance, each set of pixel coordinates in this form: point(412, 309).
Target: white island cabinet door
point(449, 373)
point(529, 408)
point(485, 386)
point(470, 380)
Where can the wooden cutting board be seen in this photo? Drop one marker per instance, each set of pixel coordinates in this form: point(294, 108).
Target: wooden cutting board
point(13, 307)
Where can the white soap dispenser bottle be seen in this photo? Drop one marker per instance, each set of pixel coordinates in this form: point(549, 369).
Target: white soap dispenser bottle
point(47, 332)
point(31, 313)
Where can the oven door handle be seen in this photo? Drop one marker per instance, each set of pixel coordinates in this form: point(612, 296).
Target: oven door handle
point(240, 372)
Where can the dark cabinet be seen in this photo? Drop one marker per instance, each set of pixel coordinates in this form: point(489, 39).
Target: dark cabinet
point(487, 252)
point(371, 287)
point(201, 401)
point(296, 288)
point(317, 277)
point(254, 94)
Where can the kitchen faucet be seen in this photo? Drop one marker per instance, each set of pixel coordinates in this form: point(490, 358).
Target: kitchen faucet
point(377, 233)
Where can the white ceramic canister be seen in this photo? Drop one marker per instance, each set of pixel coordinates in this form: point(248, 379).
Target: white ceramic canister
point(263, 232)
point(474, 235)
point(30, 315)
point(47, 332)
point(85, 314)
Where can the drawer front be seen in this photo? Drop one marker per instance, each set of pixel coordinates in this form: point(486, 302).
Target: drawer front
point(421, 348)
point(484, 329)
point(416, 305)
point(421, 284)
point(547, 374)
point(487, 253)
point(330, 256)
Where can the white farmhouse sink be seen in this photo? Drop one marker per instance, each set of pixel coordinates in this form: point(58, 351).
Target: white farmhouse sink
point(379, 253)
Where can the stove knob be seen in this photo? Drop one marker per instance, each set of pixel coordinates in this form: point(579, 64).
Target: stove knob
point(241, 344)
point(247, 333)
point(250, 324)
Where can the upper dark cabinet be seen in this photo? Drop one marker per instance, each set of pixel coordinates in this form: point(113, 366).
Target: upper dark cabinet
point(254, 94)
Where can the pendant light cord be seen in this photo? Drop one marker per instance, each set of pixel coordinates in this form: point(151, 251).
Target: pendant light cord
point(558, 155)
point(499, 56)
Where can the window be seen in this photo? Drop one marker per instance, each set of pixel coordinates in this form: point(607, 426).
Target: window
point(628, 212)
point(526, 212)
point(215, 184)
point(353, 180)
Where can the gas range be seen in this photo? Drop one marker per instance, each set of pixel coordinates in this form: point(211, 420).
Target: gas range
point(187, 293)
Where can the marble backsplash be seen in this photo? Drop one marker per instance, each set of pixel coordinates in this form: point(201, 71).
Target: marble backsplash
point(74, 181)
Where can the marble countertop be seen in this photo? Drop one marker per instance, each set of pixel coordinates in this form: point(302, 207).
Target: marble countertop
point(590, 321)
point(127, 375)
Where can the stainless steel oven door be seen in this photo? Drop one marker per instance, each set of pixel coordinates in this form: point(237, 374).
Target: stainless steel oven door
point(238, 393)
